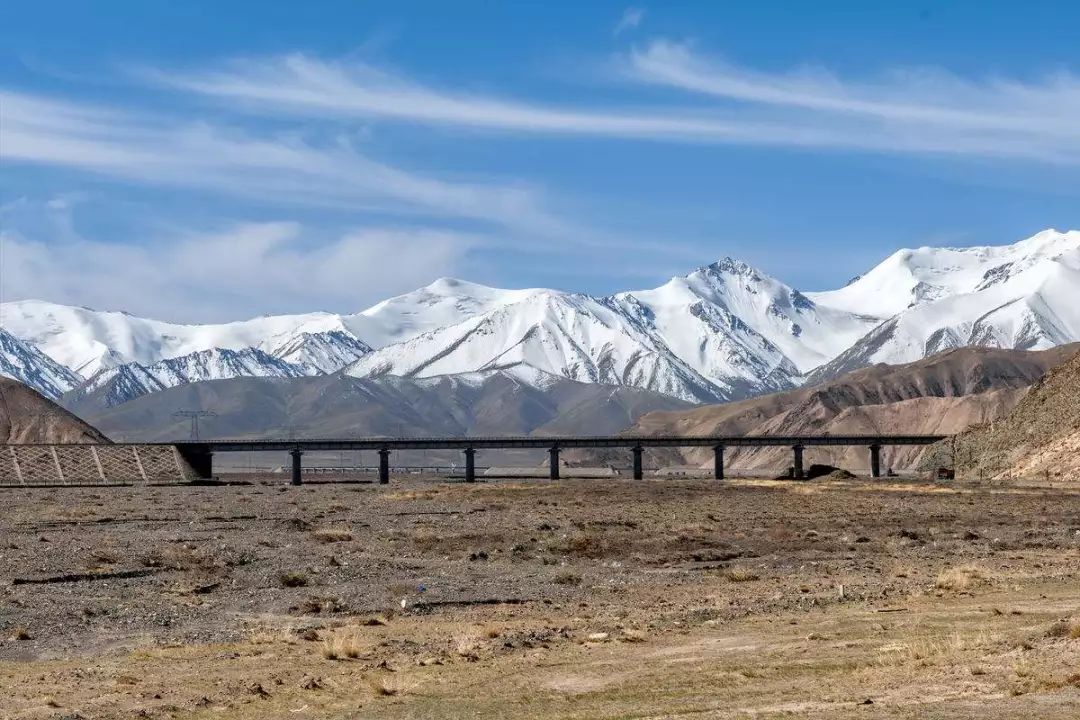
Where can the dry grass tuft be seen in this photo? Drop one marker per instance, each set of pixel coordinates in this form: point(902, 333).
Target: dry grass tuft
point(342, 645)
point(467, 647)
point(293, 579)
point(586, 545)
point(963, 577)
point(390, 686)
point(567, 578)
point(926, 652)
point(332, 535)
point(740, 574)
point(1065, 629)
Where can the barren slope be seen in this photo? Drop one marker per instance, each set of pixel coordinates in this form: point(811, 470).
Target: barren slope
point(944, 393)
point(1041, 436)
point(28, 417)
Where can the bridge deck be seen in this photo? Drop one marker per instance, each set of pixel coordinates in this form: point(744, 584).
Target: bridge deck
point(510, 442)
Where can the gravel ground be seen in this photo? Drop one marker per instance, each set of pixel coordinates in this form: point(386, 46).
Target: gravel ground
point(98, 573)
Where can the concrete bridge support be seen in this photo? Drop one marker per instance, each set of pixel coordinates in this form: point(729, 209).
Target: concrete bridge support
point(639, 471)
point(875, 461)
point(296, 466)
point(718, 462)
point(384, 466)
point(553, 462)
point(799, 473)
point(470, 465)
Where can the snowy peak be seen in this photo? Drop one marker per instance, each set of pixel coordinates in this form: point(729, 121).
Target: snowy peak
point(87, 341)
point(120, 384)
point(1022, 296)
point(563, 334)
point(322, 353)
point(24, 362)
point(127, 382)
point(712, 311)
point(909, 278)
point(447, 301)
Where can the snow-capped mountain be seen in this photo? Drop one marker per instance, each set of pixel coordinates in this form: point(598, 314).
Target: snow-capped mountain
point(323, 352)
point(721, 332)
point(745, 331)
point(132, 380)
point(573, 336)
point(1024, 296)
point(24, 362)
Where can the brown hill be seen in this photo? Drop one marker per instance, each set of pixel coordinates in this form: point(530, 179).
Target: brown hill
point(28, 417)
point(1040, 437)
point(944, 393)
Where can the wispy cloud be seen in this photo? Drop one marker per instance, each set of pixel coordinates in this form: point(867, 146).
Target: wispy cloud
point(308, 86)
point(922, 112)
point(914, 109)
point(630, 19)
point(285, 168)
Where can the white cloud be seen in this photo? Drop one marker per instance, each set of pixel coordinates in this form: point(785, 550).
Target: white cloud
point(630, 19)
point(905, 112)
point(921, 110)
point(283, 169)
point(244, 270)
point(308, 86)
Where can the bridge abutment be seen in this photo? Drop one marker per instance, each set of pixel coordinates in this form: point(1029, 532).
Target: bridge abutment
point(200, 458)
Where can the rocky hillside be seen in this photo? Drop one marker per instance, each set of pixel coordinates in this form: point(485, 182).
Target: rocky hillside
point(28, 417)
point(1039, 438)
point(497, 403)
point(942, 394)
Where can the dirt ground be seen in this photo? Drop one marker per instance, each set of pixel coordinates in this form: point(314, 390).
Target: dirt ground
point(529, 599)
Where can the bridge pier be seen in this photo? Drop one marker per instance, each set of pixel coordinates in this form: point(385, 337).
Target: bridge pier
point(639, 472)
point(718, 462)
point(296, 467)
point(470, 464)
point(798, 473)
point(875, 461)
point(200, 458)
point(553, 462)
point(384, 465)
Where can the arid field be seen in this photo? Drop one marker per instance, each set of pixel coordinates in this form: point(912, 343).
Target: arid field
point(528, 599)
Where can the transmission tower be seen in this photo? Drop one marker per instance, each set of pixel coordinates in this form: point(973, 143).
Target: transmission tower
point(194, 416)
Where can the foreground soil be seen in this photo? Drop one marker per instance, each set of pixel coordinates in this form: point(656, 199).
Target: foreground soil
point(575, 599)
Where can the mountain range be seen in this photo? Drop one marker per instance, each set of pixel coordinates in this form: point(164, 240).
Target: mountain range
point(723, 332)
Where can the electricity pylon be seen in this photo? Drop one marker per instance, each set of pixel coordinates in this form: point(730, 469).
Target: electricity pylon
point(194, 416)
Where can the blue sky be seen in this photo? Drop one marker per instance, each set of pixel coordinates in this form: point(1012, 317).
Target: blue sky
point(209, 160)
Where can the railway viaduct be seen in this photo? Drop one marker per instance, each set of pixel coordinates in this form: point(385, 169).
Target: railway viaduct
point(200, 455)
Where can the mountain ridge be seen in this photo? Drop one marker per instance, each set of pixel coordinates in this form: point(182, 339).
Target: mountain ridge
point(723, 332)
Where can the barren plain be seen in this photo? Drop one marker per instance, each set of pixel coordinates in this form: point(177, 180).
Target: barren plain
point(571, 599)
